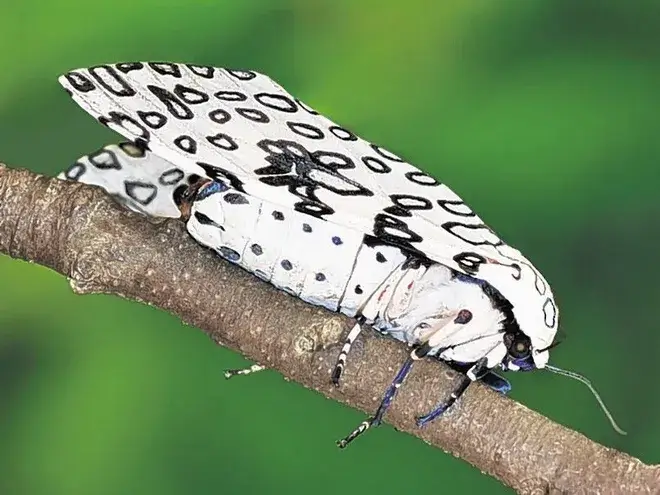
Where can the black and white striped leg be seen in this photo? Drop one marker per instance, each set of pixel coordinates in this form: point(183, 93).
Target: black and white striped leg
point(377, 418)
point(475, 373)
point(346, 348)
point(244, 371)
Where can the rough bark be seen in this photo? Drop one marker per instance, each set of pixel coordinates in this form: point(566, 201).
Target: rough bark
point(82, 234)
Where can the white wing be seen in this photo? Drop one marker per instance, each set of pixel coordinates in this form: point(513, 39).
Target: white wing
point(143, 181)
point(242, 126)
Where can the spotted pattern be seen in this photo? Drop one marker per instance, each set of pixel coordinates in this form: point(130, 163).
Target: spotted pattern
point(313, 166)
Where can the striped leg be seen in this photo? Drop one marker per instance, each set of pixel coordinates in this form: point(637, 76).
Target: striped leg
point(377, 418)
point(244, 371)
point(346, 348)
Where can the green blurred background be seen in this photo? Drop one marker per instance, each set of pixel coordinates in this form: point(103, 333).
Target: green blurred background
point(543, 116)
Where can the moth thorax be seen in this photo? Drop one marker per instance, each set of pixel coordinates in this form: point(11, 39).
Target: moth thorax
point(427, 298)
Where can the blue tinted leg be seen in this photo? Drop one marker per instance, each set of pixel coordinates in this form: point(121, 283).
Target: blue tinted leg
point(496, 382)
point(491, 379)
point(384, 405)
point(475, 373)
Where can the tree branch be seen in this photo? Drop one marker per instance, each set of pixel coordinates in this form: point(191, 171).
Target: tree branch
point(78, 231)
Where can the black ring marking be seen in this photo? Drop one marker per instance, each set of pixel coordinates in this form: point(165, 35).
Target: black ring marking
point(79, 82)
point(187, 144)
point(276, 102)
point(253, 114)
point(111, 81)
point(171, 177)
point(173, 104)
point(456, 207)
point(201, 70)
point(191, 96)
point(305, 130)
point(135, 188)
point(222, 141)
point(166, 69)
point(376, 165)
point(155, 120)
point(219, 116)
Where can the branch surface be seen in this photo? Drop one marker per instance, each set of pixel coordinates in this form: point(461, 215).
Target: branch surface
point(78, 231)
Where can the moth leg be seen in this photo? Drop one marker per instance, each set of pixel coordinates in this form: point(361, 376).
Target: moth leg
point(491, 379)
point(244, 371)
point(377, 418)
point(475, 373)
point(346, 348)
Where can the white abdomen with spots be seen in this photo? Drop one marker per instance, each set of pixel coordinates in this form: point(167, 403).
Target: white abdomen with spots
point(319, 261)
point(332, 266)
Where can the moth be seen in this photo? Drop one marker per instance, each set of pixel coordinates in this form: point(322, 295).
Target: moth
point(307, 205)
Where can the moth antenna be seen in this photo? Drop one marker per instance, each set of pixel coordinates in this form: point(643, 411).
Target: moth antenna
point(580, 378)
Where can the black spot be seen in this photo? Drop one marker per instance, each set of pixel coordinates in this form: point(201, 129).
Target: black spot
point(320, 277)
point(166, 69)
point(111, 81)
point(236, 199)
point(464, 316)
point(75, 171)
point(204, 219)
point(341, 133)
point(305, 130)
point(105, 160)
point(127, 67)
point(256, 249)
point(306, 227)
point(242, 75)
point(278, 215)
point(140, 192)
point(376, 165)
point(171, 177)
point(230, 96)
point(219, 116)
point(380, 258)
point(337, 241)
point(191, 96)
point(286, 264)
point(358, 289)
point(187, 144)
point(155, 120)
point(223, 141)
point(201, 70)
point(253, 114)
point(276, 102)
point(229, 253)
point(79, 82)
point(173, 104)
point(421, 178)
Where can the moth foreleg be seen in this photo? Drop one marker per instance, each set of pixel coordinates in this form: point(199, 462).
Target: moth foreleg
point(346, 348)
point(377, 418)
point(244, 371)
point(475, 373)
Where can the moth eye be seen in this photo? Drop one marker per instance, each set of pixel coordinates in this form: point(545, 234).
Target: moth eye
point(519, 346)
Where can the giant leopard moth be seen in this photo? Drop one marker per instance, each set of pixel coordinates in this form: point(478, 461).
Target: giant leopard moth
point(309, 206)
